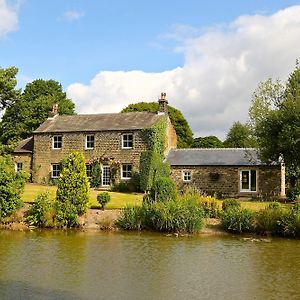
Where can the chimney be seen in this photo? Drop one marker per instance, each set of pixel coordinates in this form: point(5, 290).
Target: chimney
point(54, 112)
point(162, 104)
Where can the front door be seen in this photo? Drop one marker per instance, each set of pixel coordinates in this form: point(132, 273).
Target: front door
point(105, 176)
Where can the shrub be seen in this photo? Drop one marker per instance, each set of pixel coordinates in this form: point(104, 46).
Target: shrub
point(237, 219)
point(210, 207)
point(11, 186)
point(103, 199)
point(164, 188)
point(290, 221)
point(268, 220)
point(73, 186)
point(121, 187)
point(293, 193)
point(66, 214)
point(230, 203)
point(73, 189)
point(41, 213)
point(96, 174)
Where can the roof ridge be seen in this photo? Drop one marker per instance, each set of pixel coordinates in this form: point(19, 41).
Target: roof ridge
point(193, 149)
point(101, 114)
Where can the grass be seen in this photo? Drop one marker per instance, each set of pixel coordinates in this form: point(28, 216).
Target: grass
point(252, 205)
point(118, 200)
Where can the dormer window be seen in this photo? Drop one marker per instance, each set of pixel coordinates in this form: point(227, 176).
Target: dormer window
point(90, 142)
point(57, 142)
point(127, 141)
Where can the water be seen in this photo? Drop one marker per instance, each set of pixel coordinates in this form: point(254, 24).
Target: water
point(100, 265)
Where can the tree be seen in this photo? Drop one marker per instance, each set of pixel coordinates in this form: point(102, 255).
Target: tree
point(181, 126)
point(278, 128)
point(240, 136)
point(11, 186)
point(73, 190)
point(207, 142)
point(8, 82)
point(32, 108)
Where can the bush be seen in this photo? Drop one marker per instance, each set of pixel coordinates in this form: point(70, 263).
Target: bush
point(73, 189)
point(290, 221)
point(237, 219)
point(293, 193)
point(164, 188)
point(230, 203)
point(268, 220)
point(210, 207)
point(96, 174)
point(168, 216)
point(103, 199)
point(66, 214)
point(11, 186)
point(41, 213)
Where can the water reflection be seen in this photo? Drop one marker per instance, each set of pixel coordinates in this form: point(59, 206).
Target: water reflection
point(96, 265)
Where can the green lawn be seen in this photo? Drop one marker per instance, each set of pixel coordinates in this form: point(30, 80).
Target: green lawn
point(252, 205)
point(118, 200)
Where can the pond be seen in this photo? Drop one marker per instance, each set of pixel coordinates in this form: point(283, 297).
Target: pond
point(108, 265)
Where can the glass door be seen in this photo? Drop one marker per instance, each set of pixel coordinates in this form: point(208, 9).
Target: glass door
point(106, 175)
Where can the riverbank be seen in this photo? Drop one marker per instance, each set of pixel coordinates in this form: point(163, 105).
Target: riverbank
point(96, 219)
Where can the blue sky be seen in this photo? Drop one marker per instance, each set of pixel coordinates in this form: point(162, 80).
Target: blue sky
point(93, 47)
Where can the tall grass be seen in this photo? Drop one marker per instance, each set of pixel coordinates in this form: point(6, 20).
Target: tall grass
point(166, 216)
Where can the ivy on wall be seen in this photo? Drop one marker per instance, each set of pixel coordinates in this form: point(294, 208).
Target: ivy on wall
point(151, 161)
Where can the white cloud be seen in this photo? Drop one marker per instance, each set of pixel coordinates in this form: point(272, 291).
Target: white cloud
point(213, 88)
point(8, 18)
point(73, 15)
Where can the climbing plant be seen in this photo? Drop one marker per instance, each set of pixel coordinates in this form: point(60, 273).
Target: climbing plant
point(151, 161)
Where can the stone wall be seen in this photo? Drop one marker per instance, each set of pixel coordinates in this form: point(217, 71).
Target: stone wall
point(171, 136)
point(25, 159)
point(107, 144)
point(227, 183)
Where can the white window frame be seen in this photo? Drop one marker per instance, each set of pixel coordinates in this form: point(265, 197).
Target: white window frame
point(87, 141)
point(88, 168)
point(56, 142)
point(17, 166)
point(126, 171)
point(52, 170)
point(127, 140)
point(248, 190)
point(185, 174)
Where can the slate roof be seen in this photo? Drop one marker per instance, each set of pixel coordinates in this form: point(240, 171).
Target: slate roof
point(25, 146)
point(99, 122)
point(214, 157)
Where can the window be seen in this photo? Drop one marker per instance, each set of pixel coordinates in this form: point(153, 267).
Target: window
point(127, 141)
point(19, 166)
point(186, 175)
point(248, 181)
point(55, 170)
point(89, 142)
point(57, 142)
point(89, 170)
point(126, 171)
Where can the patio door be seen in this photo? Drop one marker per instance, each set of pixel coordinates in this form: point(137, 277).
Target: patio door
point(105, 176)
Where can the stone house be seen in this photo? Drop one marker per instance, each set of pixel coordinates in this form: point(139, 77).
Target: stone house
point(113, 139)
point(118, 140)
point(227, 172)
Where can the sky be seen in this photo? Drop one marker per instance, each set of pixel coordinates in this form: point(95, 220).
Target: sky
point(208, 56)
